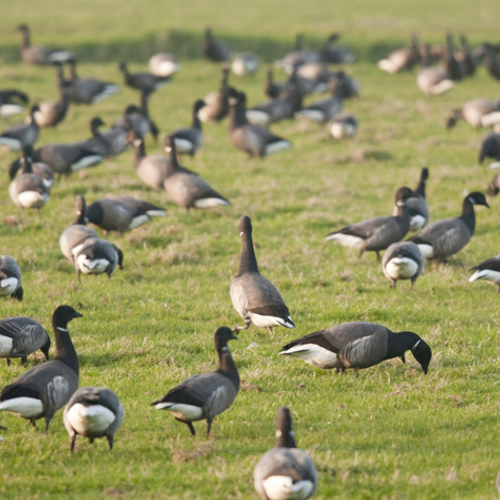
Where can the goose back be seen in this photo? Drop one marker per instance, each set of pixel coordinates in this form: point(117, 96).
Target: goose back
point(10, 278)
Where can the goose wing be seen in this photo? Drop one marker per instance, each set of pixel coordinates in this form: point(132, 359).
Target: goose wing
point(27, 334)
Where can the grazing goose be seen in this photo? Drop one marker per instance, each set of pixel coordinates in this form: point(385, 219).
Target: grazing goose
point(216, 103)
point(28, 190)
point(96, 256)
point(357, 345)
point(10, 278)
point(93, 412)
point(403, 261)
point(431, 80)
point(88, 90)
point(21, 336)
point(322, 111)
point(142, 80)
point(377, 234)
point(12, 102)
point(449, 63)
point(330, 53)
point(203, 397)
point(311, 78)
point(121, 213)
point(343, 85)
point(51, 113)
point(38, 54)
point(44, 389)
point(491, 63)
point(116, 137)
point(254, 297)
point(19, 136)
point(163, 65)
point(446, 237)
point(284, 107)
point(285, 472)
point(401, 59)
point(476, 112)
point(39, 168)
point(245, 64)
point(343, 126)
point(213, 50)
point(417, 205)
point(490, 147)
point(251, 139)
point(186, 188)
point(189, 140)
point(466, 58)
point(488, 270)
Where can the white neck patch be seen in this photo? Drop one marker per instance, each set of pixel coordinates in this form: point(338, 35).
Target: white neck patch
point(137, 142)
point(472, 200)
point(418, 342)
point(279, 433)
point(224, 349)
point(61, 329)
point(400, 203)
point(168, 149)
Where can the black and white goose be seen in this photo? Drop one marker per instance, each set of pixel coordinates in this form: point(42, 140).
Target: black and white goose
point(489, 270)
point(432, 80)
point(46, 388)
point(213, 50)
point(403, 261)
point(476, 112)
point(357, 345)
point(185, 187)
point(401, 59)
point(491, 63)
point(254, 297)
point(340, 83)
point(88, 90)
point(142, 80)
point(374, 235)
point(39, 54)
point(444, 238)
point(10, 278)
point(323, 110)
point(12, 102)
point(203, 397)
point(490, 148)
point(245, 64)
point(18, 136)
point(39, 168)
point(285, 472)
point(189, 140)
point(163, 65)
point(93, 412)
point(283, 107)
point(121, 213)
point(21, 336)
point(343, 126)
point(96, 256)
point(251, 139)
point(216, 103)
point(417, 205)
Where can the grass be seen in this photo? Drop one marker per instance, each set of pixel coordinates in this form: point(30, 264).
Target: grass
point(391, 432)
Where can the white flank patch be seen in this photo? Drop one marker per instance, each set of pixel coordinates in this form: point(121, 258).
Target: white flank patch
point(495, 165)
point(262, 321)
point(203, 114)
point(386, 65)
point(486, 274)
point(442, 87)
point(427, 251)
point(342, 130)
point(5, 346)
point(91, 420)
point(490, 119)
point(156, 213)
point(48, 183)
point(108, 91)
point(13, 144)
point(185, 412)
point(210, 202)
point(10, 109)
point(346, 240)
point(401, 268)
point(88, 161)
point(87, 266)
point(138, 221)
point(183, 145)
point(314, 354)
point(23, 407)
point(277, 146)
point(32, 199)
point(311, 114)
point(417, 222)
point(8, 286)
point(168, 68)
point(61, 56)
point(257, 117)
point(238, 67)
point(283, 488)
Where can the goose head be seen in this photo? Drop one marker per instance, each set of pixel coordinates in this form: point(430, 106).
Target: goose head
point(453, 118)
point(284, 432)
point(245, 225)
point(134, 137)
point(198, 105)
point(222, 336)
point(423, 354)
point(63, 315)
point(402, 194)
point(123, 67)
point(477, 198)
point(23, 28)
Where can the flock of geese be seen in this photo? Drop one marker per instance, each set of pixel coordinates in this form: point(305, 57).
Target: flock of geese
point(285, 472)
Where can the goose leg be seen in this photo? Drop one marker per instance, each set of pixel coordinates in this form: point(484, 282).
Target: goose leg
point(110, 442)
point(48, 418)
point(33, 423)
point(393, 284)
point(3, 428)
point(24, 360)
point(236, 329)
point(72, 443)
point(209, 427)
point(191, 428)
point(8, 361)
point(378, 255)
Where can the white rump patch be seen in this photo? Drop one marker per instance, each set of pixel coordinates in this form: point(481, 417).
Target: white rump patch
point(283, 488)
point(13, 144)
point(183, 145)
point(257, 117)
point(387, 65)
point(417, 222)
point(23, 407)
point(261, 321)
point(311, 114)
point(10, 109)
point(188, 413)
point(167, 68)
point(495, 165)
point(427, 250)
point(442, 87)
point(61, 56)
point(401, 268)
point(108, 91)
point(90, 420)
point(490, 119)
point(5, 346)
point(138, 220)
point(156, 213)
point(8, 286)
point(32, 199)
point(210, 202)
point(88, 161)
point(315, 355)
point(486, 274)
point(87, 266)
point(277, 146)
point(346, 240)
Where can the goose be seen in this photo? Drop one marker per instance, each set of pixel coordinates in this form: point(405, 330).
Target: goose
point(357, 345)
point(343, 126)
point(298, 56)
point(311, 78)
point(96, 256)
point(93, 412)
point(12, 102)
point(21, 336)
point(417, 205)
point(330, 53)
point(97, 142)
point(490, 147)
point(88, 90)
point(10, 278)
point(186, 188)
point(251, 139)
point(18, 136)
point(491, 63)
point(284, 107)
point(163, 65)
point(476, 112)
point(213, 50)
point(51, 113)
point(189, 140)
point(29, 190)
point(341, 84)
point(142, 80)
point(216, 103)
point(488, 270)
point(39, 168)
point(44, 389)
point(254, 297)
point(271, 88)
point(38, 54)
point(449, 63)
point(76, 234)
point(447, 237)
point(401, 59)
point(322, 111)
point(466, 58)
point(494, 186)
point(116, 137)
point(121, 213)
point(203, 397)
point(378, 233)
point(403, 261)
point(285, 472)
point(245, 64)
point(430, 80)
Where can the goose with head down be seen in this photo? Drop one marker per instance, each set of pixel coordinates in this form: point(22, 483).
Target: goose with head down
point(96, 256)
point(10, 278)
point(401, 59)
point(189, 140)
point(18, 136)
point(488, 270)
point(403, 261)
point(12, 102)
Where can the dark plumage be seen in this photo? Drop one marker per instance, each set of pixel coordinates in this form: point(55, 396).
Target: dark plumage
point(275, 110)
point(18, 136)
point(402, 261)
point(142, 80)
point(214, 50)
point(189, 140)
point(96, 256)
point(491, 63)
point(449, 63)
point(490, 147)
point(216, 103)
point(417, 205)
point(12, 102)
point(10, 278)
point(39, 168)
point(489, 270)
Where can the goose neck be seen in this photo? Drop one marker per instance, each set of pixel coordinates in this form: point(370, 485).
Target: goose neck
point(468, 215)
point(65, 351)
point(248, 261)
point(285, 439)
point(399, 343)
point(140, 153)
point(227, 366)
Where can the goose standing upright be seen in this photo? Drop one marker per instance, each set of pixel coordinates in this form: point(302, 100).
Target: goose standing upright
point(444, 238)
point(39, 168)
point(491, 63)
point(44, 389)
point(271, 88)
point(285, 472)
point(466, 58)
point(10, 278)
point(216, 103)
point(402, 261)
point(203, 397)
point(189, 140)
point(213, 50)
point(38, 54)
point(417, 205)
point(254, 297)
point(449, 63)
point(12, 102)
point(18, 136)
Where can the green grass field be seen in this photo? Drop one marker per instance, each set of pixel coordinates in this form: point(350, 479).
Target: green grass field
point(391, 432)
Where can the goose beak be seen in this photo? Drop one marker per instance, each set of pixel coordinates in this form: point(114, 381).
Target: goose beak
point(78, 315)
